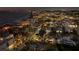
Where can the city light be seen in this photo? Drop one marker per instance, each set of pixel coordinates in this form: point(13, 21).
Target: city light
point(41, 31)
point(73, 26)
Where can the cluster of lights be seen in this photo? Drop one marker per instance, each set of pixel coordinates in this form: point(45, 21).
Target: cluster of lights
point(6, 28)
point(15, 44)
point(59, 31)
point(73, 26)
point(1, 38)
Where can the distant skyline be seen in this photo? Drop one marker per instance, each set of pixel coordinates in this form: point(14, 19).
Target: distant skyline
point(23, 9)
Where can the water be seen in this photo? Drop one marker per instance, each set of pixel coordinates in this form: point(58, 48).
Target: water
point(12, 17)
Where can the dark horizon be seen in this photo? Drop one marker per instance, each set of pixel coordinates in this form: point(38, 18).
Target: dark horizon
point(24, 9)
